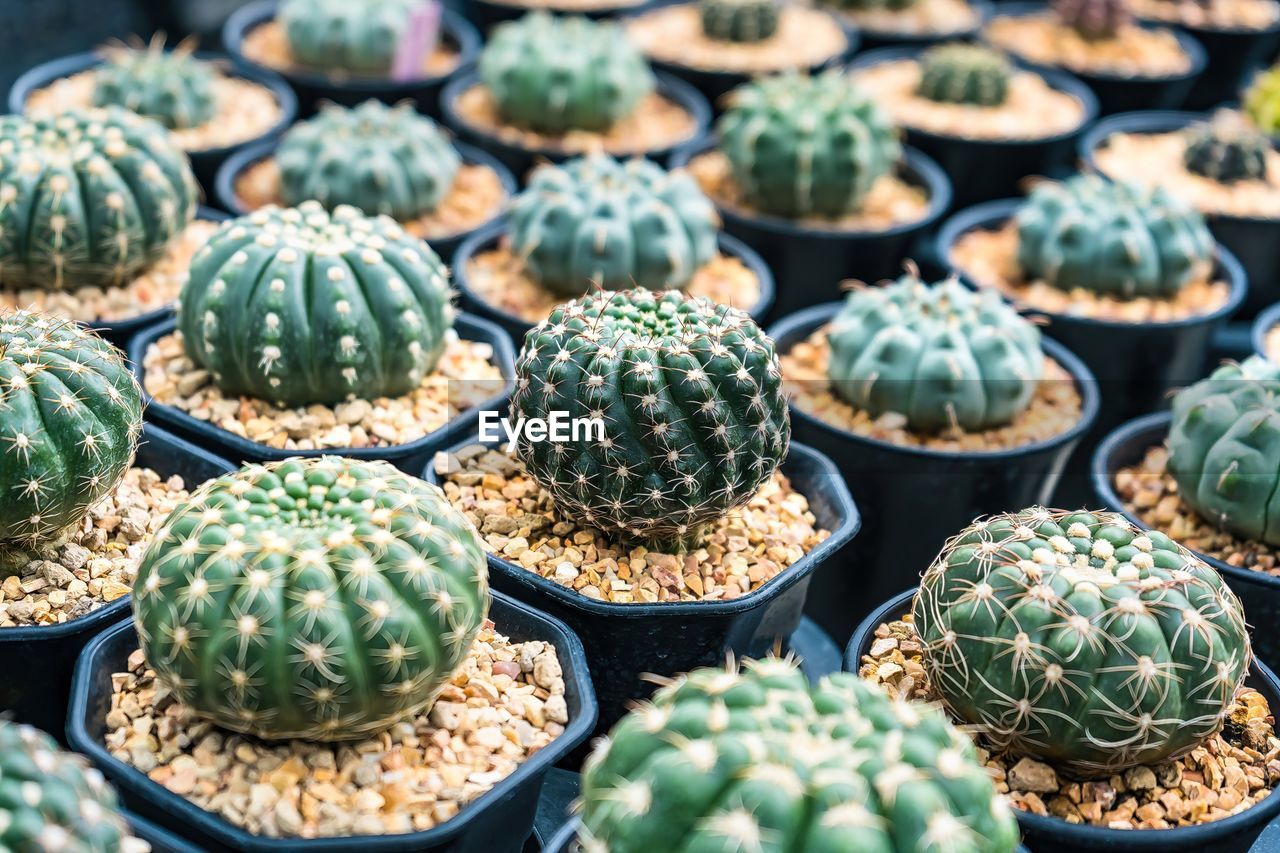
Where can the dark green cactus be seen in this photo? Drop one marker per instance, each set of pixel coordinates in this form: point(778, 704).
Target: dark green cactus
point(1093, 19)
point(170, 86)
point(359, 36)
point(964, 74)
point(739, 20)
point(1226, 153)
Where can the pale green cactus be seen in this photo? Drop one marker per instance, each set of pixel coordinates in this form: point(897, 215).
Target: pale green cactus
point(170, 86)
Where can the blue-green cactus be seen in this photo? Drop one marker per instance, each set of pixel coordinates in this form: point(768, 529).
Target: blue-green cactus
point(358, 36)
point(170, 86)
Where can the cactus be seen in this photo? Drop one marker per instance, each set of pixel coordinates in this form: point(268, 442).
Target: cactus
point(759, 760)
point(322, 598)
point(70, 417)
point(690, 394)
point(88, 197)
point(871, 5)
point(942, 356)
point(1226, 153)
point(1112, 238)
point(299, 306)
point(964, 74)
point(739, 20)
point(806, 146)
point(356, 36)
point(557, 74)
point(380, 159)
point(1080, 640)
point(1093, 20)
point(1262, 101)
point(615, 225)
point(172, 87)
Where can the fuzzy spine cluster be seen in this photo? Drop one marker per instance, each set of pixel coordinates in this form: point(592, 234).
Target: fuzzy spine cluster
point(1226, 154)
point(742, 21)
point(357, 36)
point(1094, 20)
point(170, 86)
point(1262, 101)
point(964, 74)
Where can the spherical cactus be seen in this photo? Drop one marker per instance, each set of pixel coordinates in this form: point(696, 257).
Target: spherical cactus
point(358, 36)
point(690, 396)
point(759, 760)
point(1262, 101)
point(806, 146)
point(1080, 640)
point(739, 20)
point(1093, 19)
point(322, 599)
point(942, 356)
point(596, 221)
point(380, 159)
point(1113, 238)
point(965, 74)
point(1226, 154)
point(70, 417)
point(172, 87)
point(300, 306)
point(88, 197)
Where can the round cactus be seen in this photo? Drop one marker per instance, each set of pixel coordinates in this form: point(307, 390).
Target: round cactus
point(380, 159)
point(739, 20)
point(806, 146)
point(557, 74)
point(596, 221)
point(964, 74)
point(300, 306)
point(88, 197)
point(1226, 154)
point(942, 356)
point(1093, 20)
point(1080, 640)
point(1262, 101)
point(172, 87)
point(322, 599)
point(1113, 238)
point(690, 396)
point(358, 36)
point(759, 760)
point(70, 417)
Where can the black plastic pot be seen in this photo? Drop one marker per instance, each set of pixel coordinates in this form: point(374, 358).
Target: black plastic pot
point(874, 39)
point(483, 240)
point(408, 457)
point(314, 87)
point(1265, 322)
point(445, 247)
point(985, 169)
point(913, 499)
point(37, 660)
point(810, 263)
point(498, 821)
point(1234, 55)
point(160, 839)
point(486, 14)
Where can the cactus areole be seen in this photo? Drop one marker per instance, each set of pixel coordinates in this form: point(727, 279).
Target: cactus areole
point(1081, 640)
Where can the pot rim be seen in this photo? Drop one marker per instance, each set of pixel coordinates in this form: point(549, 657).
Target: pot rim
point(1267, 320)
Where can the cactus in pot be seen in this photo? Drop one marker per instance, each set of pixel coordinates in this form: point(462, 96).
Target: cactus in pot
point(964, 74)
point(1093, 20)
point(1226, 153)
point(170, 86)
point(1262, 101)
point(357, 36)
point(741, 21)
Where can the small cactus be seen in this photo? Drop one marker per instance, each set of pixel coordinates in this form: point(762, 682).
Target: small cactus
point(1226, 153)
point(357, 36)
point(170, 86)
point(1262, 101)
point(965, 74)
point(741, 21)
point(1093, 20)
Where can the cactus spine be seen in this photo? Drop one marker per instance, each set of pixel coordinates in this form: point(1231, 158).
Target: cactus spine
point(742, 21)
point(964, 74)
point(172, 87)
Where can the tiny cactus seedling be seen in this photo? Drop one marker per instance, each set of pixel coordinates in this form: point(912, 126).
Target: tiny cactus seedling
point(323, 599)
point(170, 86)
point(300, 306)
point(964, 74)
point(1078, 639)
point(357, 36)
point(596, 221)
point(739, 20)
point(1262, 101)
point(759, 760)
point(1093, 20)
point(690, 394)
point(1226, 153)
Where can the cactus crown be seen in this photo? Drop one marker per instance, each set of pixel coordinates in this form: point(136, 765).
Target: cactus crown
point(358, 36)
point(1226, 153)
point(739, 20)
point(1093, 19)
point(170, 86)
point(965, 74)
point(1262, 101)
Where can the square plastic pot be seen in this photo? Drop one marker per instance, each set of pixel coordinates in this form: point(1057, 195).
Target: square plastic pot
point(497, 821)
point(875, 39)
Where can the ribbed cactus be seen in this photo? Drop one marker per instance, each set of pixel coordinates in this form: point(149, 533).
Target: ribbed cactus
point(170, 86)
point(690, 394)
point(1093, 19)
point(380, 159)
point(70, 417)
point(739, 20)
point(942, 356)
point(806, 146)
point(1112, 238)
point(1076, 638)
point(300, 306)
point(759, 760)
point(1262, 101)
point(359, 36)
point(1226, 154)
point(88, 197)
point(596, 221)
point(964, 74)
point(322, 598)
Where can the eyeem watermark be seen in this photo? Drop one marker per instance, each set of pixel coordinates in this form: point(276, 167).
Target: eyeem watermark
point(559, 427)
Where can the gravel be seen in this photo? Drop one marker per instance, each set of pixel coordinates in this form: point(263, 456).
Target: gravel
point(1133, 52)
point(923, 17)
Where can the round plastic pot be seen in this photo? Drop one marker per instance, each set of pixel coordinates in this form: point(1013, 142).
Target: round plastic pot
point(445, 247)
point(1265, 322)
point(1045, 834)
point(497, 821)
point(874, 39)
point(160, 839)
point(913, 499)
point(313, 87)
point(408, 457)
point(627, 641)
point(486, 239)
point(37, 660)
point(486, 14)
point(1234, 54)
point(985, 169)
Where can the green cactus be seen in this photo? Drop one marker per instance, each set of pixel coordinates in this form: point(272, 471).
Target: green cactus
point(1112, 238)
point(942, 356)
point(170, 86)
point(1093, 20)
point(759, 760)
point(88, 197)
point(356, 36)
point(70, 417)
point(616, 225)
point(964, 74)
point(742, 21)
point(556, 74)
point(299, 306)
point(1226, 153)
point(690, 394)
point(1262, 101)
point(806, 146)
point(1080, 640)
point(322, 598)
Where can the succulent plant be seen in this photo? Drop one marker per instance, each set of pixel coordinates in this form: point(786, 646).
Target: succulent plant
point(1226, 153)
point(300, 306)
point(170, 86)
point(613, 224)
point(88, 197)
point(806, 146)
point(941, 355)
point(358, 36)
point(554, 74)
point(690, 395)
point(759, 760)
point(322, 598)
point(1093, 19)
point(1075, 638)
point(1112, 237)
point(739, 20)
point(1262, 101)
point(964, 74)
